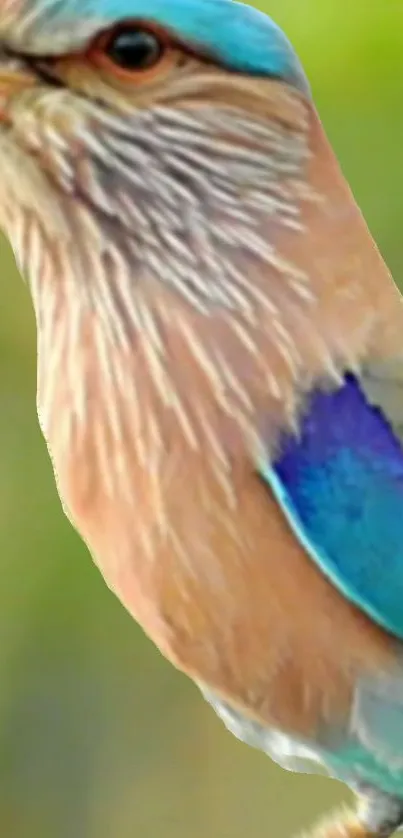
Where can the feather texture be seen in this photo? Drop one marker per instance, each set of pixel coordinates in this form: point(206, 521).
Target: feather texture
point(340, 482)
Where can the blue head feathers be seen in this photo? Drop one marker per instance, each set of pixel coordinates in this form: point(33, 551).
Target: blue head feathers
point(236, 35)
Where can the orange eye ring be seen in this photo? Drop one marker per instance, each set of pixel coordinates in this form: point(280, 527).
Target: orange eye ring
point(130, 51)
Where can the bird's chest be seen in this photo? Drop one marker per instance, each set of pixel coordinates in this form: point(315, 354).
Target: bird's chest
point(200, 554)
point(157, 514)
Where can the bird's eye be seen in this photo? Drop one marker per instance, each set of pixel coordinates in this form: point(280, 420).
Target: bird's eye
point(132, 49)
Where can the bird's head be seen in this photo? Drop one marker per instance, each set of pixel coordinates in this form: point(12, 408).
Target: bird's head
point(147, 149)
point(136, 117)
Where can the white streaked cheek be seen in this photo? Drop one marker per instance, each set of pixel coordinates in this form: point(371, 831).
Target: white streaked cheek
point(159, 217)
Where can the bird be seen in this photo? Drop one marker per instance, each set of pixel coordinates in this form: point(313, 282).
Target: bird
point(220, 367)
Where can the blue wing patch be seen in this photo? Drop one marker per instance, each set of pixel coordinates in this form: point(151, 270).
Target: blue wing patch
point(340, 484)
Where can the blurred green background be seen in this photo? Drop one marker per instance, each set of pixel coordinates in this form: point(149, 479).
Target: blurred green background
point(99, 736)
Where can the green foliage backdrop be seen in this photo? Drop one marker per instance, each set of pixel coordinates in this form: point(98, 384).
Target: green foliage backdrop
point(99, 736)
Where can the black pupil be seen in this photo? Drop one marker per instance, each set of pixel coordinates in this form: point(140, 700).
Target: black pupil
point(134, 49)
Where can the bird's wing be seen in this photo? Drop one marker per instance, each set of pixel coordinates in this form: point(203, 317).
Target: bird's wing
point(340, 484)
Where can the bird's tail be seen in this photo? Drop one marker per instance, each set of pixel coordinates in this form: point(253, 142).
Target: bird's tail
point(343, 824)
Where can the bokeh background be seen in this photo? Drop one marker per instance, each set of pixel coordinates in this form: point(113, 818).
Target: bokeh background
point(99, 736)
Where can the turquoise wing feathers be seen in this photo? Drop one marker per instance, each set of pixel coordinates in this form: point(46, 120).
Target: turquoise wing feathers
point(340, 484)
